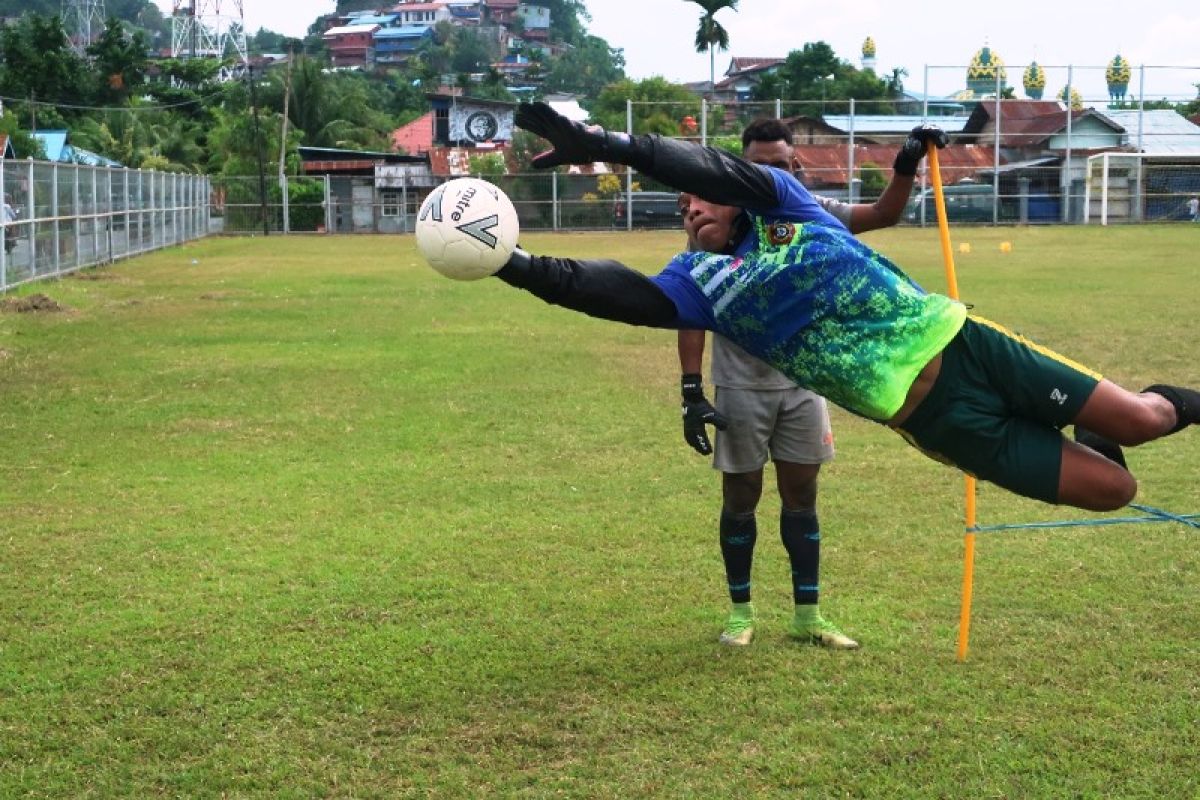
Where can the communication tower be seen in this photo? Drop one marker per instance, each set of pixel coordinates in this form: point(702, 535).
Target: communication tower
point(209, 29)
point(83, 21)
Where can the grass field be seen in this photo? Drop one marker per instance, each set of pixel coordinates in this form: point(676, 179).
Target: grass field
point(298, 518)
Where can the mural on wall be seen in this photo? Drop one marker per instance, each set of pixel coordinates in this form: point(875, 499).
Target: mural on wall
point(477, 123)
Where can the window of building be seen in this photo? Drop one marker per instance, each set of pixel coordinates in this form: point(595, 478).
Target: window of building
point(391, 201)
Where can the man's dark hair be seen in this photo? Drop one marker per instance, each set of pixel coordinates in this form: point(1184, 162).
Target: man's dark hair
point(764, 129)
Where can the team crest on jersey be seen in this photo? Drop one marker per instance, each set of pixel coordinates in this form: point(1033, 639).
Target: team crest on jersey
point(780, 232)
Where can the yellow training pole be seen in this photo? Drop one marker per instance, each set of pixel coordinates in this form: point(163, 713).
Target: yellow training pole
point(964, 615)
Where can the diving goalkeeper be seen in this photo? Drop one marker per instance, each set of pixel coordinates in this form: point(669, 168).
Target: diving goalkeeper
point(787, 282)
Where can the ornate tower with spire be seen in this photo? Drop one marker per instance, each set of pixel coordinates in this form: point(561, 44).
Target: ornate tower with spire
point(1076, 103)
point(981, 75)
point(1117, 77)
point(868, 54)
point(1034, 81)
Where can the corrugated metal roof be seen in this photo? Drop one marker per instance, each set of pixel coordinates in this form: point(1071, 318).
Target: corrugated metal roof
point(888, 123)
point(373, 19)
point(406, 32)
point(1163, 130)
point(343, 30)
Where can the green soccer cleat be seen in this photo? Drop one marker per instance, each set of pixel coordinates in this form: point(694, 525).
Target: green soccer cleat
point(822, 633)
point(739, 628)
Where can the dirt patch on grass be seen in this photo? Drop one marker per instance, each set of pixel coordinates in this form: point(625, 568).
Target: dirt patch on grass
point(32, 303)
point(93, 275)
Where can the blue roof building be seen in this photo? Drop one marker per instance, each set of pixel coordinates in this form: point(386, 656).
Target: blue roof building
point(55, 146)
point(394, 46)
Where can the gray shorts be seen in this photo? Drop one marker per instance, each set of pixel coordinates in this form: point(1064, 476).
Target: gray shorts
point(789, 424)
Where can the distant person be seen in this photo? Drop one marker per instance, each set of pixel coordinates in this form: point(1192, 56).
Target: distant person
point(9, 215)
point(1194, 209)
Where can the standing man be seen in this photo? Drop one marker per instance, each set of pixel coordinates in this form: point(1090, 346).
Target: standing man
point(760, 412)
point(8, 215)
point(1194, 209)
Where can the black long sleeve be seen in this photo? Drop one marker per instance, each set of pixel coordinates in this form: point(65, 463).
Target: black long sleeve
point(707, 172)
point(599, 288)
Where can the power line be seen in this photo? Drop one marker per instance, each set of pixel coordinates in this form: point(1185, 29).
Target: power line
point(164, 107)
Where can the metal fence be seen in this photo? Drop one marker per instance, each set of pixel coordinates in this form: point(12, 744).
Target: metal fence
point(62, 217)
point(1004, 173)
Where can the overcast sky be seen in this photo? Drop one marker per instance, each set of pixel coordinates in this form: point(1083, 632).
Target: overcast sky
point(657, 36)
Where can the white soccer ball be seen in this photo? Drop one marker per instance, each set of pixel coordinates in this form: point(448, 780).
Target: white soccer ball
point(466, 229)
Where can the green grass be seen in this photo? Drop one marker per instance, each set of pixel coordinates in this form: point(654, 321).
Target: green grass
point(302, 519)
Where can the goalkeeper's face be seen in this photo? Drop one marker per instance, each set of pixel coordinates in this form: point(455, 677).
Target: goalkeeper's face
point(708, 225)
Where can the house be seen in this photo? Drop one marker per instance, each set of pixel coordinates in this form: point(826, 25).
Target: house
point(500, 12)
point(416, 137)
point(535, 21)
point(371, 18)
point(351, 45)
point(1165, 174)
point(395, 46)
point(6, 147)
point(742, 77)
point(464, 13)
point(56, 148)
point(425, 14)
point(468, 121)
point(1042, 159)
point(356, 203)
point(825, 168)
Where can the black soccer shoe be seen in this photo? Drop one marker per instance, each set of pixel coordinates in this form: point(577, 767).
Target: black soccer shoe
point(1186, 402)
point(1102, 445)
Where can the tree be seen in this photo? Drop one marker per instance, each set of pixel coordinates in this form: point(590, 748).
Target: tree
point(659, 106)
point(118, 63)
point(38, 63)
point(471, 52)
point(587, 68)
point(815, 73)
point(710, 35)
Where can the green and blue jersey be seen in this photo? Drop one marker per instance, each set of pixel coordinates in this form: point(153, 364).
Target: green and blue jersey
point(806, 297)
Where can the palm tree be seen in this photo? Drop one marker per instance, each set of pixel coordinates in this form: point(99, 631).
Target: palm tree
point(710, 35)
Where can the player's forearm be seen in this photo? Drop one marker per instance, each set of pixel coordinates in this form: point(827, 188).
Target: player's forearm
point(691, 351)
point(885, 211)
point(599, 288)
point(706, 172)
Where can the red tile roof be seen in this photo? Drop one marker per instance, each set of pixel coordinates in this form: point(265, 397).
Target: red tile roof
point(743, 63)
point(416, 137)
point(825, 164)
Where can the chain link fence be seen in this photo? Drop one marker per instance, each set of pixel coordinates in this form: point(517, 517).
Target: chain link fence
point(1008, 163)
point(59, 218)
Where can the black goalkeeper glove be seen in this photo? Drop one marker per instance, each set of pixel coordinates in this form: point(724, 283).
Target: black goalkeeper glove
point(572, 142)
point(916, 146)
point(698, 412)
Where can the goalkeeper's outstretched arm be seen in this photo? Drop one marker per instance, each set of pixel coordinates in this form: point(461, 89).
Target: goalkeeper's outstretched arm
point(597, 287)
point(706, 172)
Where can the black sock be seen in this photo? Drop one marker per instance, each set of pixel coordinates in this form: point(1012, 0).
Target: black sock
point(1186, 402)
point(738, 535)
point(801, 534)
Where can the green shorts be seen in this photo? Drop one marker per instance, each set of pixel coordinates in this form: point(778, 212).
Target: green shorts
point(998, 407)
